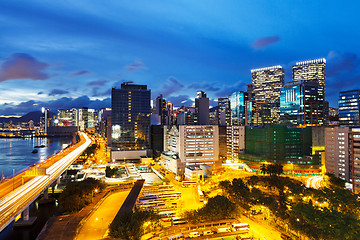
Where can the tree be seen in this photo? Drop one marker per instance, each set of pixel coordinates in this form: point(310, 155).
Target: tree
point(217, 208)
point(333, 181)
point(110, 172)
point(131, 224)
point(77, 195)
point(274, 169)
point(263, 169)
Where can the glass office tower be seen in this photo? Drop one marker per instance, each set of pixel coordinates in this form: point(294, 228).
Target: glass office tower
point(237, 106)
point(349, 107)
point(301, 103)
point(130, 117)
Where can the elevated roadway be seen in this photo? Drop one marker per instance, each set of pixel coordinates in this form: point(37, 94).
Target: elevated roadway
point(23, 193)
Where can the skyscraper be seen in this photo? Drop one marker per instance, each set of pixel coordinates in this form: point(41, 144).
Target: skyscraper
point(201, 109)
point(301, 103)
point(349, 107)
point(130, 119)
point(224, 112)
point(237, 106)
point(312, 70)
point(267, 83)
point(160, 108)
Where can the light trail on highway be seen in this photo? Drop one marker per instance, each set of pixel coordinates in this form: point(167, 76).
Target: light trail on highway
point(314, 182)
point(19, 199)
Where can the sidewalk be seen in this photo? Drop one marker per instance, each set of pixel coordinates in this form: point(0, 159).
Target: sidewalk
point(64, 227)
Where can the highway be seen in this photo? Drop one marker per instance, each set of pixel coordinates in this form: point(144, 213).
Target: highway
point(314, 182)
point(20, 198)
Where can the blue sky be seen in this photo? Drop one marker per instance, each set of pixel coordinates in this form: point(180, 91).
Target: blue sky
point(63, 54)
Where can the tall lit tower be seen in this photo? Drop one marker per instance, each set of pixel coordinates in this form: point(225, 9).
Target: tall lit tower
point(201, 109)
point(266, 85)
point(312, 70)
point(237, 105)
point(45, 119)
point(130, 120)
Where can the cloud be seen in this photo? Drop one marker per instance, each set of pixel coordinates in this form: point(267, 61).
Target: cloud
point(53, 105)
point(100, 82)
point(22, 66)
point(204, 87)
point(138, 64)
point(265, 41)
point(39, 93)
point(79, 73)
point(342, 74)
point(170, 86)
point(55, 92)
point(97, 93)
point(181, 100)
point(227, 89)
point(341, 61)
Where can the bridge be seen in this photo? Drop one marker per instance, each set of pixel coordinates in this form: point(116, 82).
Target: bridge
point(18, 193)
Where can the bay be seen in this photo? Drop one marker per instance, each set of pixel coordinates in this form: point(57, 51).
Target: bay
point(16, 153)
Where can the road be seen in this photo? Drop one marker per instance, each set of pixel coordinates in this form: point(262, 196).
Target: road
point(16, 201)
point(314, 182)
point(97, 223)
point(262, 230)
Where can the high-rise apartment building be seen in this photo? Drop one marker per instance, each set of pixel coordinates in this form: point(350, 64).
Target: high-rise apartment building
point(130, 119)
point(237, 106)
point(266, 86)
point(224, 112)
point(201, 109)
point(349, 107)
point(301, 103)
point(235, 141)
point(356, 159)
point(338, 154)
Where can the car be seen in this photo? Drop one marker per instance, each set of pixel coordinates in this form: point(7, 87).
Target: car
point(207, 232)
point(194, 234)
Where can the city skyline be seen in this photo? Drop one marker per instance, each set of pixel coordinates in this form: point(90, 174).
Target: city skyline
point(64, 55)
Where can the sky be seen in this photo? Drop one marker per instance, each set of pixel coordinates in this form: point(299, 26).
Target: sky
point(65, 54)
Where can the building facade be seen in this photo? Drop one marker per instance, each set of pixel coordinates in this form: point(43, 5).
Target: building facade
point(130, 118)
point(266, 86)
point(338, 154)
point(349, 107)
point(224, 112)
point(301, 103)
point(190, 146)
point(356, 159)
point(235, 142)
point(279, 144)
point(201, 109)
point(312, 70)
point(237, 106)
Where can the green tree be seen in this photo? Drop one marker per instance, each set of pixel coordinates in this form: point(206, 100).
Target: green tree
point(334, 182)
point(274, 169)
point(131, 224)
point(77, 195)
point(110, 172)
point(263, 169)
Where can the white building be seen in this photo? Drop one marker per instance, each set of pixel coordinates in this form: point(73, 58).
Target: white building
point(235, 141)
point(187, 145)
